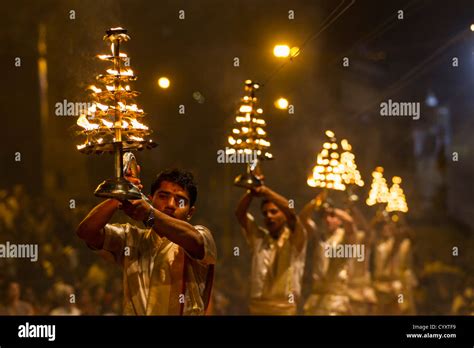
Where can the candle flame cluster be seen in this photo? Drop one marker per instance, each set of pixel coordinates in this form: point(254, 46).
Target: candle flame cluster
point(248, 134)
point(114, 116)
point(328, 171)
point(396, 199)
point(378, 189)
point(351, 174)
point(380, 193)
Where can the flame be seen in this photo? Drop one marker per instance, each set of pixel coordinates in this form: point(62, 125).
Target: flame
point(106, 56)
point(83, 122)
point(137, 125)
point(102, 106)
point(133, 137)
point(134, 108)
point(127, 72)
point(258, 121)
point(330, 133)
point(107, 123)
point(245, 108)
point(95, 89)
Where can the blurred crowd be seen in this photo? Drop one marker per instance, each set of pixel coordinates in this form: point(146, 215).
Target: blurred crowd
point(67, 278)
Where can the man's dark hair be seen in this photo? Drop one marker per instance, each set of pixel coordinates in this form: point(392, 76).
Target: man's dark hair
point(182, 178)
point(264, 201)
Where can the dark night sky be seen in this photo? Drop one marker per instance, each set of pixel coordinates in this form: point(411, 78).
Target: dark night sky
point(197, 54)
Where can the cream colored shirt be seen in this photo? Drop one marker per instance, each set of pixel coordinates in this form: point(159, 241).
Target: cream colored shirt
point(394, 266)
point(330, 274)
point(159, 277)
point(277, 265)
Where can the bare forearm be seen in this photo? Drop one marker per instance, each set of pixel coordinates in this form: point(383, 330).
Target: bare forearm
point(307, 220)
point(359, 219)
point(308, 210)
point(98, 217)
point(243, 207)
point(347, 221)
point(179, 232)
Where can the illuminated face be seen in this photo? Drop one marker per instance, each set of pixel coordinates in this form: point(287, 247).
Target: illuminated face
point(387, 230)
point(273, 217)
point(173, 200)
point(332, 222)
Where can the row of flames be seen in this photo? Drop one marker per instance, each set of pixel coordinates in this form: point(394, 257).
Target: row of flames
point(113, 116)
point(336, 170)
point(248, 134)
point(335, 167)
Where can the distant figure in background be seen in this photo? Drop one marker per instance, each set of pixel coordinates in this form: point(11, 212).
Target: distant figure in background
point(329, 295)
point(65, 304)
point(13, 304)
point(394, 279)
point(278, 253)
point(463, 303)
point(360, 286)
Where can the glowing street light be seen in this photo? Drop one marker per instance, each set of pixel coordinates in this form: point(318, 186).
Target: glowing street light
point(284, 51)
point(281, 51)
point(282, 103)
point(163, 82)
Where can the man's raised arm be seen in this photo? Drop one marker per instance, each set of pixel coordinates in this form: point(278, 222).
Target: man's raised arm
point(243, 207)
point(90, 228)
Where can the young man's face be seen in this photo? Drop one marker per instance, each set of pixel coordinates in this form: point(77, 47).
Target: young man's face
point(388, 230)
point(173, 200)
point(273, 216)
point(332, 221)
